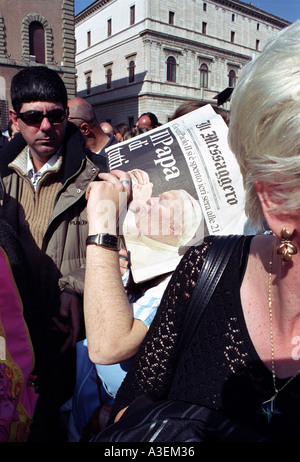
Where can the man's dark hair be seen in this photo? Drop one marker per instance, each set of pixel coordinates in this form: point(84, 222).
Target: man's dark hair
point(152, 117)
point(37, 84)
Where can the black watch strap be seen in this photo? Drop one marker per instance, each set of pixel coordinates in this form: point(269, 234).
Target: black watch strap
point(105, 240)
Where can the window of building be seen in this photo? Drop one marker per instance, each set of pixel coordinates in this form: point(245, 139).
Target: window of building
point(203, 76)
point(232, 79)
point(88, 83)
point(171, 69)
point(109, 27)
point(131, 68)
point(132, 15)
point(108, 78)
point(233, 17)
point(88, 38)
point(204, 7)
point(232, 37)
point(257, 45)
point(257, 26)
point(37, 42)
point(171, 17)
point(204, 27)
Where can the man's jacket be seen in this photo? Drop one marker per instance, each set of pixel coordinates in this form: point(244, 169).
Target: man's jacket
point(64, 241)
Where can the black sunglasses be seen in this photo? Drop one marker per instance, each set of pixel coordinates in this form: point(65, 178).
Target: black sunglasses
point(55, 116)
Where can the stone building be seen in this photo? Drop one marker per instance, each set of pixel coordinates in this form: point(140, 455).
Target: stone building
point(134, 56)
point(35, 32)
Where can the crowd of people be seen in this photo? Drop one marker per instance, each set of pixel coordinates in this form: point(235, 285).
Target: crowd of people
point(95, 342)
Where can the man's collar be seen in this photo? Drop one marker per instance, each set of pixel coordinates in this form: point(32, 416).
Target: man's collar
point(51, 162)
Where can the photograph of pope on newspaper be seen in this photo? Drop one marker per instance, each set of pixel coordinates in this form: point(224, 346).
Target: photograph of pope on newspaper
point(186, 184)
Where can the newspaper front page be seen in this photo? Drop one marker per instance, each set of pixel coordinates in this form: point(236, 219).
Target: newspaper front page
point(186, 184)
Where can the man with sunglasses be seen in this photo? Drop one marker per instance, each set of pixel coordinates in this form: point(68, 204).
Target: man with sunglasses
point(45, 173)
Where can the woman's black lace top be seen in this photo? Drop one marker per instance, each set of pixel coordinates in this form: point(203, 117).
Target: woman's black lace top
point(220, 369)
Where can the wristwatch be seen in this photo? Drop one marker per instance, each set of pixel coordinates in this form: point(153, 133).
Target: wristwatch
point(105, 240)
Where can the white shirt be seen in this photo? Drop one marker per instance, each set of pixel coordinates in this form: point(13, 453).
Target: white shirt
point(35, 176)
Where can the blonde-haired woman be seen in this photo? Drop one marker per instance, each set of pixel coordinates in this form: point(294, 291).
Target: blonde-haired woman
point(244, 358)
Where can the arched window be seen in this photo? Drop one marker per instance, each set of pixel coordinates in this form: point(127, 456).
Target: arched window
point(37, 41)
point(203, 76)
point(131, 71)
point(108, 78)
point(171, 69)
point(28, 43)
point(232, 79)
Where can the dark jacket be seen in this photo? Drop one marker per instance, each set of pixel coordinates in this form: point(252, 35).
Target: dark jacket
point(3, 140)
point(62, 254)
point(64, 240)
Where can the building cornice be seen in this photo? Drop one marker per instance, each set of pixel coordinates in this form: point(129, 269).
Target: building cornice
point(253, 11)
point(241, 7)
point(160, 37)
point(90, 10)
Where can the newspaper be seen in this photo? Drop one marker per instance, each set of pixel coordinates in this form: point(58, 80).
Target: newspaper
point(186, 163)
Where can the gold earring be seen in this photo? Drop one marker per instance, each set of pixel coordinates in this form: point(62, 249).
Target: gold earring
point(286, 249)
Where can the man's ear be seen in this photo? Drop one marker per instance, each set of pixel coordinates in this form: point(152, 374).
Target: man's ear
point(272, 208)
point(14, 118)
point(85, 128)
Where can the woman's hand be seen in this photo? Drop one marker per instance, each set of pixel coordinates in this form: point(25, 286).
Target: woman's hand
point(105, 201)
point(141, 188)
point(139, 176)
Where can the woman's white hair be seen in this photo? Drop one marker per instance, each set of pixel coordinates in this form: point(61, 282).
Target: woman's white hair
point(264, 129)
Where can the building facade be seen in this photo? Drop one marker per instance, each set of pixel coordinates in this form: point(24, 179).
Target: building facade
point(34, 33)
point(134, 56)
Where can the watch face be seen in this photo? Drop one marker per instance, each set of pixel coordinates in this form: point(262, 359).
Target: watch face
point(109, 240)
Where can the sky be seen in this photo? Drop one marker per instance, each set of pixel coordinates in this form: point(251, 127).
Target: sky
point(285, 9)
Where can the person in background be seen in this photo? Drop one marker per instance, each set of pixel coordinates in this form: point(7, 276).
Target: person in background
point(189, 106)
point(44, 181)
point(147, 120)
point(82, 114)
point(17, 382)
point(11, 128)
point(107, 127)
point(135, 132)
point(120, 130)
